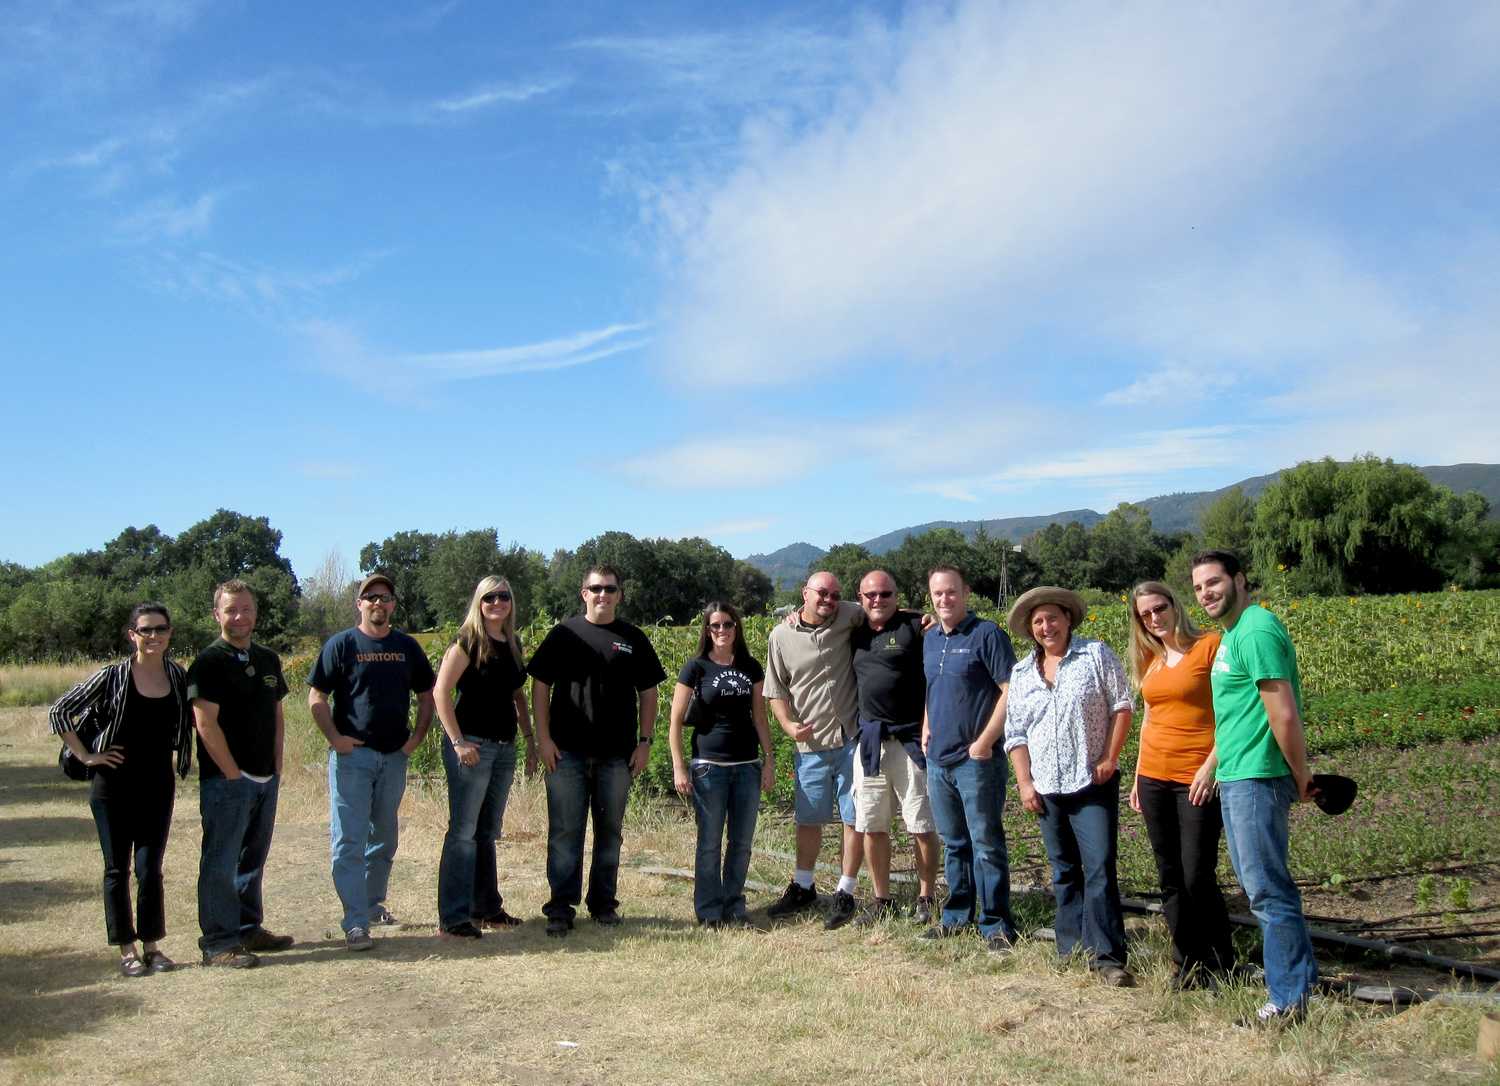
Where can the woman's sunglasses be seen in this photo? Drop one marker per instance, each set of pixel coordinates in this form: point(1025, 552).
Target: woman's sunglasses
point(496, 597)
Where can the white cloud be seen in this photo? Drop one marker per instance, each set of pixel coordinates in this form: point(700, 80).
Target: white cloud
point(168, 218)
point(554, 354)
point(487, 96)
point(732, 463)
point(740, 526)
point(1038, 154)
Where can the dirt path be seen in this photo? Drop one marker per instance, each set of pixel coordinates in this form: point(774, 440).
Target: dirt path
point(654, 1001)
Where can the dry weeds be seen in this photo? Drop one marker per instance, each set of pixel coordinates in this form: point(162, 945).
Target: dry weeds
point(656, 1000)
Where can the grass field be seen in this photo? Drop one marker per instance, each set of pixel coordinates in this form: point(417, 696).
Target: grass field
point(657, 1000)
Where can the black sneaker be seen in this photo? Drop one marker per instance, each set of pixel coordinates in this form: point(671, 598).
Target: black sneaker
point(882, 908)
point(794, 900)
point(558, 926)
point(609, 918)
point(503, 919)
point(938, 931)
point(358, 938)
point(999, 944)
point(466, 930)
point(840, 910)
point(922, 914)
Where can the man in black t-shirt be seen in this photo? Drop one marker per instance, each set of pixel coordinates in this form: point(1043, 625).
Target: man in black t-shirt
point(370, 672)
point(593, 700)
point(236, 687)
point(891, 769)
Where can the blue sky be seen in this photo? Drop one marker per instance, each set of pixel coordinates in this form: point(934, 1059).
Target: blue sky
point(760, 272)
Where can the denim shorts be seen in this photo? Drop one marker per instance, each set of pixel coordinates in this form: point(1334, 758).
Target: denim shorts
point(825, 785)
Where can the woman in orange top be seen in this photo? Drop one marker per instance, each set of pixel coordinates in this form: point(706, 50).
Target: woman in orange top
point(1174, 790)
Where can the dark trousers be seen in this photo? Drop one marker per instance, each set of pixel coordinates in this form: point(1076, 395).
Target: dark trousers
point(578, 789)
point(134, 815)
point(1081, 833)
point(238, 817)
point(1185, 840)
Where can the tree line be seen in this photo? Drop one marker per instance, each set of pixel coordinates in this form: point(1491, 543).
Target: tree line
point(1325, 528)
point(1369, 526)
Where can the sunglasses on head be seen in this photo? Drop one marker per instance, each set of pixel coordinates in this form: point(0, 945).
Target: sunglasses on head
point(501, 596)
point(606, 589)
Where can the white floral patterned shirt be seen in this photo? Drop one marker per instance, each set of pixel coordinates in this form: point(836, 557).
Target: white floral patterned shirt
point(1066, 727)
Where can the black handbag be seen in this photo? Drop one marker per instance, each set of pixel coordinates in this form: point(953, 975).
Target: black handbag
point(88, 730)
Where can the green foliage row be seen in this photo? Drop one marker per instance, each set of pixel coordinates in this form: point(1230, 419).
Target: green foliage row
point(76, 607)
point(664, 579)
point(1406, 716)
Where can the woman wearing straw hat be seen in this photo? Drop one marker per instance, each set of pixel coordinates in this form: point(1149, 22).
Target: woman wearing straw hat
point(1174, 789)
point(1065, 725)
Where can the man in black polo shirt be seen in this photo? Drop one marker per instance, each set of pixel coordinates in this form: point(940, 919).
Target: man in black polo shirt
point(891, 769)
point(593, 683)
point(370, 672)
point(236, 687)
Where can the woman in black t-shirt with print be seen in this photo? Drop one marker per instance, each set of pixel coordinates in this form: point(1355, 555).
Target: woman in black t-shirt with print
point(485, 666)
point(718, 695)
point(125, 723)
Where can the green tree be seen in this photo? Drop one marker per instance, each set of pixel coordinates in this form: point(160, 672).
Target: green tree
point(1228, 523)
point(918, 555)
point(849, 562)
point(403, 557)
point(1062, 555)
point(460, 560)
point(1124, 549)
point(1370, 525)
point(1470, 557)
point(752, 589)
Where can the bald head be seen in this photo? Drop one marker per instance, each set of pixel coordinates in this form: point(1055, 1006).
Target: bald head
point(877, 595)
point(820, 598)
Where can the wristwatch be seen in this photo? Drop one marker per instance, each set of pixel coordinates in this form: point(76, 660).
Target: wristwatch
point(647, 739)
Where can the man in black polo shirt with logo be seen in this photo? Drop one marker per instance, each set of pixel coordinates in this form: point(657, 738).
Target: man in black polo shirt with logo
point(370, 671)
point(236, 687)
point(891, 769)
point(593, 701)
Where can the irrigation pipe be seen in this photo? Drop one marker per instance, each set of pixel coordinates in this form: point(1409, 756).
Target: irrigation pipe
point(1475, 972)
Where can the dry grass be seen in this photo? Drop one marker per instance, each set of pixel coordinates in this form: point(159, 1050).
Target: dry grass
point(39, 684)
point(655, 1000)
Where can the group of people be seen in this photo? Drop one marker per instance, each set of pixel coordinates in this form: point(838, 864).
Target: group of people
point(889, 710)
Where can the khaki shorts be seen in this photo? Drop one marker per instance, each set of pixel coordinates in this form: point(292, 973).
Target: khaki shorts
point(900, 782)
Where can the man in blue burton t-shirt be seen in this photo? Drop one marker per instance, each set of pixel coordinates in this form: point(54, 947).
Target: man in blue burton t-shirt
point(370, 671)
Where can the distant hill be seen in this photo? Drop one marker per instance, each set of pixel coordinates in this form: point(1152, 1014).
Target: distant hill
point(1169, 513)
point(787, 564)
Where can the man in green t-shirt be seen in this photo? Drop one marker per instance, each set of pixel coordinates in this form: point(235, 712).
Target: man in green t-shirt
point(1262, 770)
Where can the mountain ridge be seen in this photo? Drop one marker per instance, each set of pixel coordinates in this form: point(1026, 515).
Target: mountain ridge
point(1169, 513)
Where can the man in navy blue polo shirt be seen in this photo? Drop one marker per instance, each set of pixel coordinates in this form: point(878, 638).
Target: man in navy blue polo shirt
point(967, 661)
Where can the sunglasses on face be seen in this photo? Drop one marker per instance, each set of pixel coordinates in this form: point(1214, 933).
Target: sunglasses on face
point(378, 597)
point(605, 589)
point(873, 596)
point(825, 593)
point(151, 631)
point(496, 597)
point(717, 627)
point(1159, 609)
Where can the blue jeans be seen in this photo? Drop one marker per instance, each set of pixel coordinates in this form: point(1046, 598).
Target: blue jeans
point(468, 888)
point(723, 793)
point(825, 785)
point(576, 789)
point(967, 801)
point(1081, 833)
point(364, 793)
point(238, 817)
point(1255, 824)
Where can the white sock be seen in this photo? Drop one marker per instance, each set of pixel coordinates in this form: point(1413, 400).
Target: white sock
point(847, 883)
point(803, 879)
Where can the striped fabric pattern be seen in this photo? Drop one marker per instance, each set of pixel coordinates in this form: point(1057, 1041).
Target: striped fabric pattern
point(103, 697)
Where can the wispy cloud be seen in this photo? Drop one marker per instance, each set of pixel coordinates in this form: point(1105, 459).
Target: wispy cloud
point(554, 354)
point(168, 218)
point(1025, 161)
point(735, 463)
point(740, 526)
point(488, 96)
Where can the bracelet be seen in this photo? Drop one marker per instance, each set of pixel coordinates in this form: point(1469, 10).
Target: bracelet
point(647, 739)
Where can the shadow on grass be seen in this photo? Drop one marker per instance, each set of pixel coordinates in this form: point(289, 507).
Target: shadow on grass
point(53, 830)
point(26, 784)
point(32, 900)
point(49, 995)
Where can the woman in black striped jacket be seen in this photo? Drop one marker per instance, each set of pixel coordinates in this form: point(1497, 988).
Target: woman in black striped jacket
point(124, 723)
